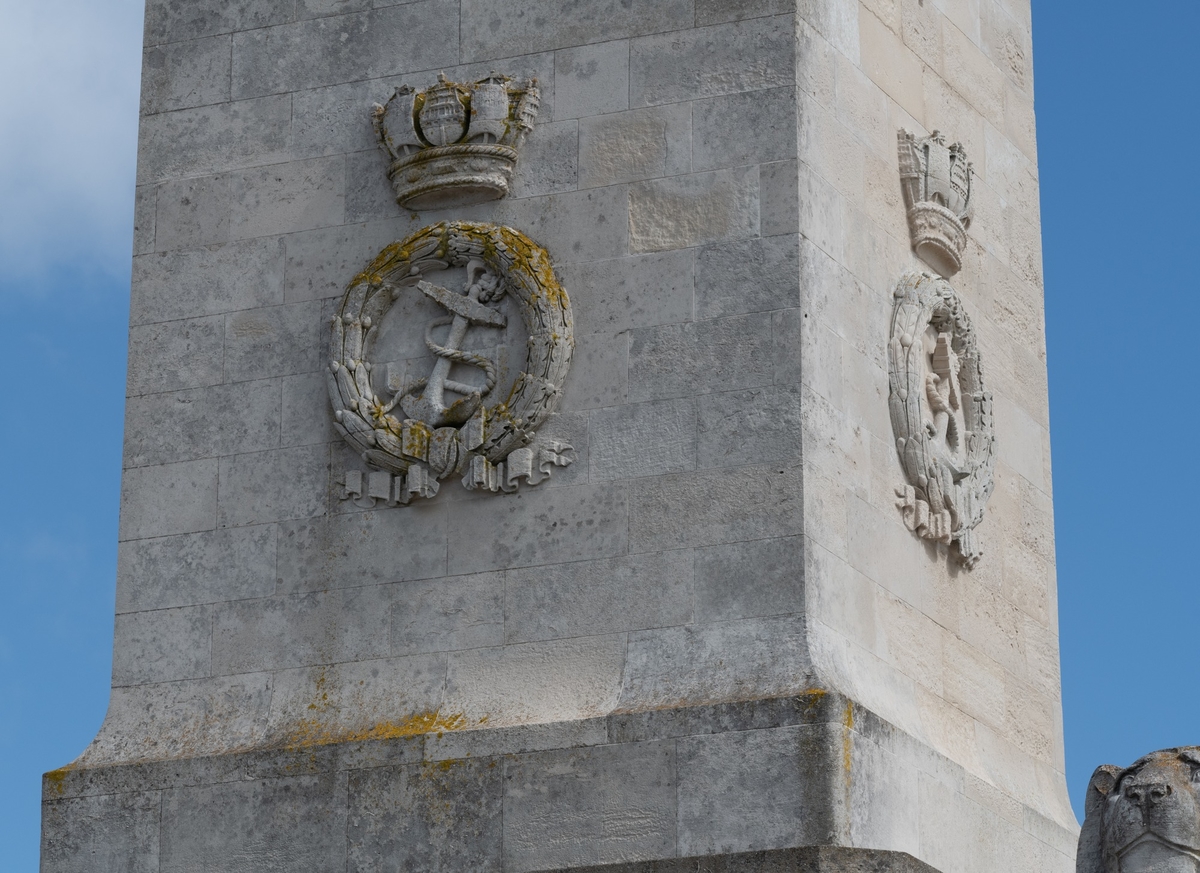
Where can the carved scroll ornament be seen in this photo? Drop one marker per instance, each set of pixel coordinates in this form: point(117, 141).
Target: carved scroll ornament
point(941, 414)
point(451, 408)
point(1144, 818)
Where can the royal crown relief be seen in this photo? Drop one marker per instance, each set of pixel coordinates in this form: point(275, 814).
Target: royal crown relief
point(449, 351)
point(936, 180)
point(454, 144)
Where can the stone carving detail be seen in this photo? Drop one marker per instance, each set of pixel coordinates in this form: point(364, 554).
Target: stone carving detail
point(941, 414)
point(449, 403)
point(1145, 818)
point(454, 144)
point(936, 179)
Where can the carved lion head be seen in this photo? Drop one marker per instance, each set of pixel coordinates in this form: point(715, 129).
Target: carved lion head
point(1145, 818)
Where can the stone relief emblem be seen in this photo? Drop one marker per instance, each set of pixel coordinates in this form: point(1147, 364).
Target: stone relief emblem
point(936, 179)
point(941, 414)
point(430, 379)
point(454, 144)
point(1145, 818)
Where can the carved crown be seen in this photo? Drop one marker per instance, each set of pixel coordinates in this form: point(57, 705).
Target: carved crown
point(453, 143)
point(936, 179)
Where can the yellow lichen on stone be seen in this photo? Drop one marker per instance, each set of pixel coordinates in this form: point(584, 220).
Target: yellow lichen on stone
point(315, 732)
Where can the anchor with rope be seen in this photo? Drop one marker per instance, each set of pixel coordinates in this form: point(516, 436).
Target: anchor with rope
point(467, 309)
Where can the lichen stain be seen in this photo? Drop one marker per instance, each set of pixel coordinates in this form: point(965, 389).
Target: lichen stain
point(313, 732)
point(813, 696)
point(56, 780)
point(848, 741)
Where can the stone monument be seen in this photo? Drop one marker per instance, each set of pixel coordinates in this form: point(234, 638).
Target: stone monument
point(573, 435)
point(1144, 818)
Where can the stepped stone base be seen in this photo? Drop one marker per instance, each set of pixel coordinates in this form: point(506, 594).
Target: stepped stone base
point(810, 859)
point(643, 789)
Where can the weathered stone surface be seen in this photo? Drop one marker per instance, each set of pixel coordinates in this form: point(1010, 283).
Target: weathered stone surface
point(287, 198)
point(207, 281)
point(331, 706)
point(668, 512)
point(254, 827)
point(388, 545)
point(539, 527)
point(622, 293)
point(644, 439)
point(192, 213)
point(737, 660)
point(743, 580)
point(426, 817)
point(445, 615)
point(164, 645)
point(276, 341)
point(169, 499)
point(555, 680)
point(590, 597)
point(175, 355)
point(185, 74)
point(777, 779)
point(207, 567)
point(751, 275)
point(708, 61)
point(589, 806)
point(767, 116)
point(490, 31)
point(591, 79)
point(201, 423)
point(111, 832)
point(327, 51)
point(636, 145)
point(680, 360)
point(273, 486)
point(682, 211)
point(348, 624)
point(224, 136)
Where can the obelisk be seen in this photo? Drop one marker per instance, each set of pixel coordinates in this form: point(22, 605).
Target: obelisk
point(564, 434)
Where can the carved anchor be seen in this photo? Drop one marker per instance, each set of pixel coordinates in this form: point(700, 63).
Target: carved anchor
point(468, 309)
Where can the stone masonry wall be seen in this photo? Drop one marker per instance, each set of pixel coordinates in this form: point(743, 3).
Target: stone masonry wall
point(664, 567)
point(716, 182)
point(968, 661)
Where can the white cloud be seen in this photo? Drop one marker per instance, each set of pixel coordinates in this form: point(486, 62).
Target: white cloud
point(69, 75)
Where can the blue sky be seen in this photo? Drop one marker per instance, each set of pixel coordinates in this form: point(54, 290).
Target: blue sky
point(1118, 125)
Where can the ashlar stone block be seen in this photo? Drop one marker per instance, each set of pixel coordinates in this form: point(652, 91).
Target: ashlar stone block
point(591, 79)
point(635, 145)
point(598, 597)
point(682, 211)
point(491, 30)
point(427, 817)
point(185, 74)
point(590, 806)
point(707, 61)
point(109, 832)
point(345, 48)
point(255, 827)
point(206, 567)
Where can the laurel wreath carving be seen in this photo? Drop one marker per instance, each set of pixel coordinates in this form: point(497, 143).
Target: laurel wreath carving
point(946, 496)
point(367, 421)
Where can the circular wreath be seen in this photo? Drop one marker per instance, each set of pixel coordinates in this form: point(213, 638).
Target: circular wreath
point(493, 431)
point(961, 485)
